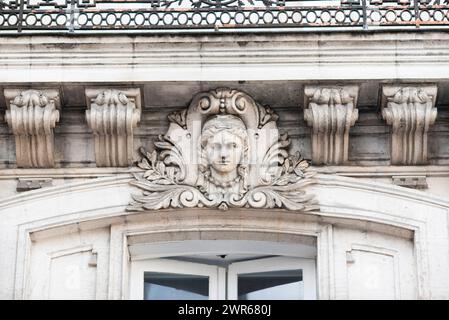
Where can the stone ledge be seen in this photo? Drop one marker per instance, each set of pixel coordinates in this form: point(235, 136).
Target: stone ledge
point(312, 56)
point(349, 171)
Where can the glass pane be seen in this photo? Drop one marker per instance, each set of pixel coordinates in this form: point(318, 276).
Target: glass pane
point(171, 286)
point(274, 285)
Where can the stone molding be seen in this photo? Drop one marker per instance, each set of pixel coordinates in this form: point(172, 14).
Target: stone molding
point(347, 171)
point(330, 111)
point(199, 57)
point(32, 115)
point(112, 115)
point(410, 110)
point(118, 189)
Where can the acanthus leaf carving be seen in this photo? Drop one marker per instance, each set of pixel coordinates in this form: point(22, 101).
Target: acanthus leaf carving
point(222, 152)
point(178, 117)
point(266, 114)
point(32, 115)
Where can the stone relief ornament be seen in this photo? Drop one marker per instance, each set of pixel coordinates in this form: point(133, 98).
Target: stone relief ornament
point(32, 116)
point(223, 151)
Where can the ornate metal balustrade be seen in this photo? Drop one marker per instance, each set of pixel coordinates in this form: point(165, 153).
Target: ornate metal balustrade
point(158, 15)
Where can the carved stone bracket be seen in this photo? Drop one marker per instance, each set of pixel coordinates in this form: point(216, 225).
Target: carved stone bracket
point(112, 115)
point(32, 116)
point(330, 111)
point(410, 111)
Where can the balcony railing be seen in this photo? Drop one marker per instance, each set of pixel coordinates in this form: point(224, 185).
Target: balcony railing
point(219, 15)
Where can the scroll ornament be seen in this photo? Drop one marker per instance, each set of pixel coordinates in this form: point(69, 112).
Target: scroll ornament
point(224, 151)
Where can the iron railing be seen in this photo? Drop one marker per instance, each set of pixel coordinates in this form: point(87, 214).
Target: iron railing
point(223, 15)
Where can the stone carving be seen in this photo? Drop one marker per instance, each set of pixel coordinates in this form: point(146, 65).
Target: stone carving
point(413, 182)
point(410, 111)
point(223, 151)
point(330, 111)
point(224, 156)
point(33, 184)
point(112, 115)
point(32, 116)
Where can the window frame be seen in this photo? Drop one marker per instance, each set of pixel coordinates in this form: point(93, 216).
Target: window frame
point(274, 264)
point(138, 268)
point(222, 281)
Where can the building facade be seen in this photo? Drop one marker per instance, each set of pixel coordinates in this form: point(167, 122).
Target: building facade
point(143, 156)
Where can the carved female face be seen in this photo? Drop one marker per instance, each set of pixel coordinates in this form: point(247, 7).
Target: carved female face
point(224, 143)
point(224, 151)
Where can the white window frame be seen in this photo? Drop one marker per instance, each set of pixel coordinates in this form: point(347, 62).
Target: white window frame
point(274, 264)
point(138, 268)
point(218, 279)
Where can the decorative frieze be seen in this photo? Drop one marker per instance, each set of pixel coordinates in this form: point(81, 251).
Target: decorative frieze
point(112, 115)
point(32, 116)
point(330, 111)
point(410, 111)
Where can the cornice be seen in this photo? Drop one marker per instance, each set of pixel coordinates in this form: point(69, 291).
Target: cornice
point(311, 56)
